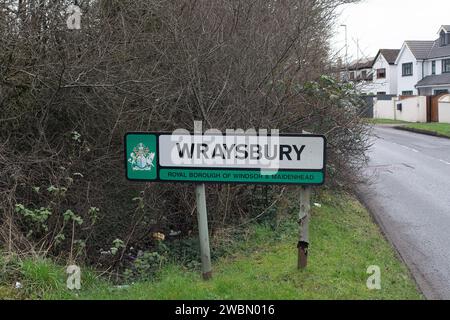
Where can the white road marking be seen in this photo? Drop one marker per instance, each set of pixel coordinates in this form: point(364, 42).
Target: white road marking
point(412, 149)
point(406, 147)
point(417, 151)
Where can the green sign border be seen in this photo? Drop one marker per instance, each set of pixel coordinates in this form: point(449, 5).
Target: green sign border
point(220, 175)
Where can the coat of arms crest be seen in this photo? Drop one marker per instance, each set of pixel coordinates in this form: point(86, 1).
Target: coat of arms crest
point(141, 159)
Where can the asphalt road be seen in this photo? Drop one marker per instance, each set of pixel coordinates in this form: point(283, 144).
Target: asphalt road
point(409, 195)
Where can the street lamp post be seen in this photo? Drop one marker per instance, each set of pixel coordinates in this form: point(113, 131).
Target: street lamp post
point(346, 50)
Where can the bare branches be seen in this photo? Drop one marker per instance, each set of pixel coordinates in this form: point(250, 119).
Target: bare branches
point(67, 97)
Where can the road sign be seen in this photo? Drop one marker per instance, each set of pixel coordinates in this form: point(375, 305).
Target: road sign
point(232, 158)
point(216, 158)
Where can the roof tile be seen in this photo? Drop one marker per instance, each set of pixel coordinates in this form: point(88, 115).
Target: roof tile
point(420, 49)
point(389, 54)
point(434, 80)
point(439, 52)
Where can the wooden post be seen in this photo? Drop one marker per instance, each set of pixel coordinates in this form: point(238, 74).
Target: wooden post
point(304, 217)
point(202, 218)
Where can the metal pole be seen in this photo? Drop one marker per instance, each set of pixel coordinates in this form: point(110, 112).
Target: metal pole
point(202, 218)
point(346, 47)
point(357, 50)
point(304, 217)
point(346, 52)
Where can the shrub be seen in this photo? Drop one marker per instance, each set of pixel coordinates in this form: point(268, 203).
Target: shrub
point(68, 97)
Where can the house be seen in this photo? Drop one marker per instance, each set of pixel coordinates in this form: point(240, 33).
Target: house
point(360, 73)
point(358, 70)
point(411, 66)
point(384, 72)
point(423, 67)
point(436, 78)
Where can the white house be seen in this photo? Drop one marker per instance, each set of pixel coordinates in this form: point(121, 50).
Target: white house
point(423, 67)
point(410, 66)
point(360, 73)
point(385, 72)
point(358, 70)
point(436, 79)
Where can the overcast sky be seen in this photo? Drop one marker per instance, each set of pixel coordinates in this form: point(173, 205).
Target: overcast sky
point(385, 24)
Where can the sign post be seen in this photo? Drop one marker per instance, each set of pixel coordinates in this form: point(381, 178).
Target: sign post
point(202, 218)
point(296, 159)
point(304, 216)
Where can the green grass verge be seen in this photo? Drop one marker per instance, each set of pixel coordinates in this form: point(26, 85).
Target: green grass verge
point(385, 121)
point(434, 128)
point(344, 243)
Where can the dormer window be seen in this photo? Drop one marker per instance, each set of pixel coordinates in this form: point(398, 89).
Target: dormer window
point(443, 38)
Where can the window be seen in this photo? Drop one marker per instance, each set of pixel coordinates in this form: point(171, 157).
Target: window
point(364, 74)
point(382, 93)
point(439, 92)
point(407, 69)
point(352, 75)
point(446, 66)
point(381, 73)
point(443, 38)
point(407, 93)
point(433, 67)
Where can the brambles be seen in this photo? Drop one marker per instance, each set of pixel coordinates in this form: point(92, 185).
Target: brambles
point(68, 97)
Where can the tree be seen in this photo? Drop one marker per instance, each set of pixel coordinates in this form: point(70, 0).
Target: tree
point(69, 96)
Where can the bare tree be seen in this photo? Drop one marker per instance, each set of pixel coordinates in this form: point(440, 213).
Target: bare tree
point(68, 96)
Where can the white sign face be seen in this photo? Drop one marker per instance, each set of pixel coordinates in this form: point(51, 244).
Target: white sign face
point(216, 158)
point(242, 152)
